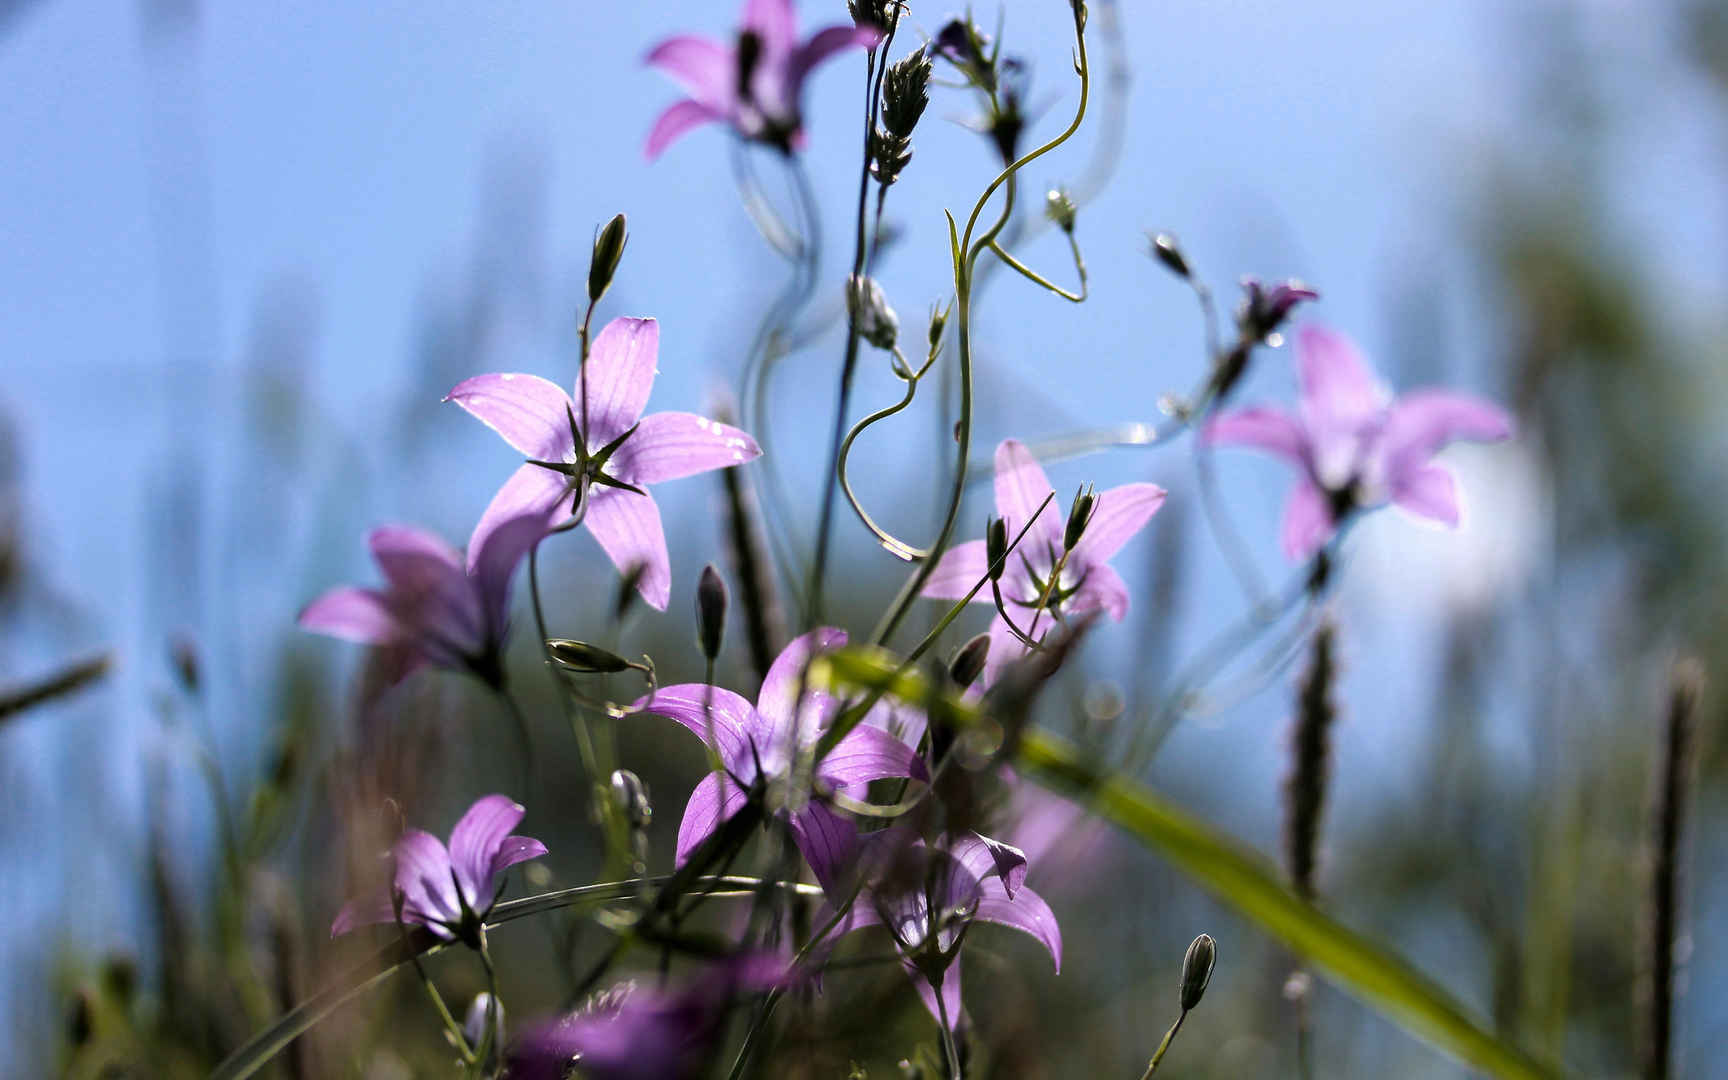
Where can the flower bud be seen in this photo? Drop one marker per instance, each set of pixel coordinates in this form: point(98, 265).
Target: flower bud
point(1167, 251)
point(631, 795)
point(1197, 970)
point(1264, 310)
point(875, 320)
point(711, 597)
point(938, 323)
point(474, 1021)
point(870, 14)
point(1060, 209)
point(583, 658)
point(905, 93)
point(608, 251)
point(996, 547)
point(1079, 516)
point(968, 661)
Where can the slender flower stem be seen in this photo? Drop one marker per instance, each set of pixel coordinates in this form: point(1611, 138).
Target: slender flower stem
point(1169, 1037)
point(950, 1051)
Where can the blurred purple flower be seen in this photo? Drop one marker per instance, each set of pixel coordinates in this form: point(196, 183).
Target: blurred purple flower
point(1087, 583)
point(1264, 310)
point(600, 442)
point(435, 610)
point(637, 1033)
point(754, 85)
point(448, 891)
point(756, 747)
point(928, 897)
point(1356, 445)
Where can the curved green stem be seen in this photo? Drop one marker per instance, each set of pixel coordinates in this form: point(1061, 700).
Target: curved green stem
point(1038, 279)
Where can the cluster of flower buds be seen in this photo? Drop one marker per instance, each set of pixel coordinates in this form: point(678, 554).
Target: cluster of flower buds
point(905, 94)
point(877, 15)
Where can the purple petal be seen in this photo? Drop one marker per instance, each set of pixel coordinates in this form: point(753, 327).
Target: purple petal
point(1005, 646)
point(1119, 514)
point(985, 858)
point(950, 993)
point(1307, 521)
point(429, 589)
point(829, 843)
point(628, 528)
point(528, 411)
point(619, 376)
point(1268, 429)
point(412, 558)
point(1103, 590)
point(1026, 911)
point(1339, 389)
point(1432, 493)
point(352, 614)
point(1020, 488)
point(704, 68)
point(705, 811)
point(530, 490)
point(774, 21)
point(496, 562)
point(673, 445)
point(423, 875)
point(866, 754)
point(679, 117)
point(365, 911)
point(515, 849)
point(705, 709)
point(961, 567)
point(779, 693)
point(1423, 422)
point(476, 839)
point(824, 44)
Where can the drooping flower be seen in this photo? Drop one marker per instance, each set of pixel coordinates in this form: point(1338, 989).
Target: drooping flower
point(1084, 581)
point(1356, 445)
point(436, 609)
point(450, 890)
point(599, 443)
point(756, 745)
point(927, 898)
point(754, 85)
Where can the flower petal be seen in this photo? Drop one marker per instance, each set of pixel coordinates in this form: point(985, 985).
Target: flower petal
point(423, 876)
point(363, 911)
point(866, 754)
point(950, 993)
point(1430, 492)
point(1339, 390)
point(1118, 515)
point(352, 614)
point(961, 567)
point(429, 590)
point(709, 805)
point(496, 562)
point(673, 445)
point(1272, 430)
point(708, 709)
point(1005, 646)
point(829, 843)
point(825, 43)
point(628, 528)
point(1026, 911)
point(618, 376)
point(1423, 422)
point(779, 692)
point(1021, 487)
point(774, 21)
point(1103, 590)
point(528, 411)
point(704, 68)
point(678, 118)
point(1307, 521)
point(475, 840)
point(530, 490)
point(985, 858)
point(515, 849)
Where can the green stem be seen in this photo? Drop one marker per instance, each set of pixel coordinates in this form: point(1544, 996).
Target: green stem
point(1169, 1037)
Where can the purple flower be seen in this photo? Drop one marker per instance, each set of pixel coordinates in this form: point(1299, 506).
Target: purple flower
point(600, 442)
point(754, 85)
point(638, 1033)
point(1356, 445)
point(928, 897)
point(1264, 310)
point(435, 610)
point(1085, 581)
point(448, 891)
point(756, 747)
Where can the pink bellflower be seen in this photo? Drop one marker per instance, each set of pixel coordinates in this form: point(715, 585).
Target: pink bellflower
point(449, 891)
point(598, 446)
point(754, 85)
point(756, 745)
point(927, 898)
point(1086, 581)
point(437, 609)
point(1357, 446)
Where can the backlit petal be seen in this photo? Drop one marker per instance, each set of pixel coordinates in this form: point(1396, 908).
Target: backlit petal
point(530, 490)
point(628, 527)
point(1118, 515)
point(1307, 521)
point(1021, 487)
point(1026, 912)
point(960, 568)
point(528, 411)
point(780, 686)
point(704, 68)
point(705, 811)
point(1423, 422)
point(352, 614)
point(673, 445)
point(1263, 428)
point(1430, 492)
point(476, 839)
point(719, 717)
point(619, 376)
point(678, 118)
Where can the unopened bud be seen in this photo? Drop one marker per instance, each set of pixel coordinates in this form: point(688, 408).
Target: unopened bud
point(1263, 310)
point(1060, 209)
point(938, 323)
point(996, 547)
point(628, 594)
point(474, 1022)
point(875, 320)
point(583, 658)
point(1167, 251)
point(608, 251)
point(968, 662)
point(905, 93)
point(870, 14)
point(711, 600)
point(631, 795)
point(1197, 970)
point(1079, 516)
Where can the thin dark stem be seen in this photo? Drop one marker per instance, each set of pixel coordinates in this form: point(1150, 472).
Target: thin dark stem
point(1673, 783)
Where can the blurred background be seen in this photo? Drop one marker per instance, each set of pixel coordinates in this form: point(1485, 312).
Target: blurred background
point(248, 248)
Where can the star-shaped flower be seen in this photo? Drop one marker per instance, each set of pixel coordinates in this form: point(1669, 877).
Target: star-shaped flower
point(436, 610)
point(1083, 581)
point(599, 443)
point(451, 890)
point(754, 85)
point(1356, 445)
point(757, 744)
